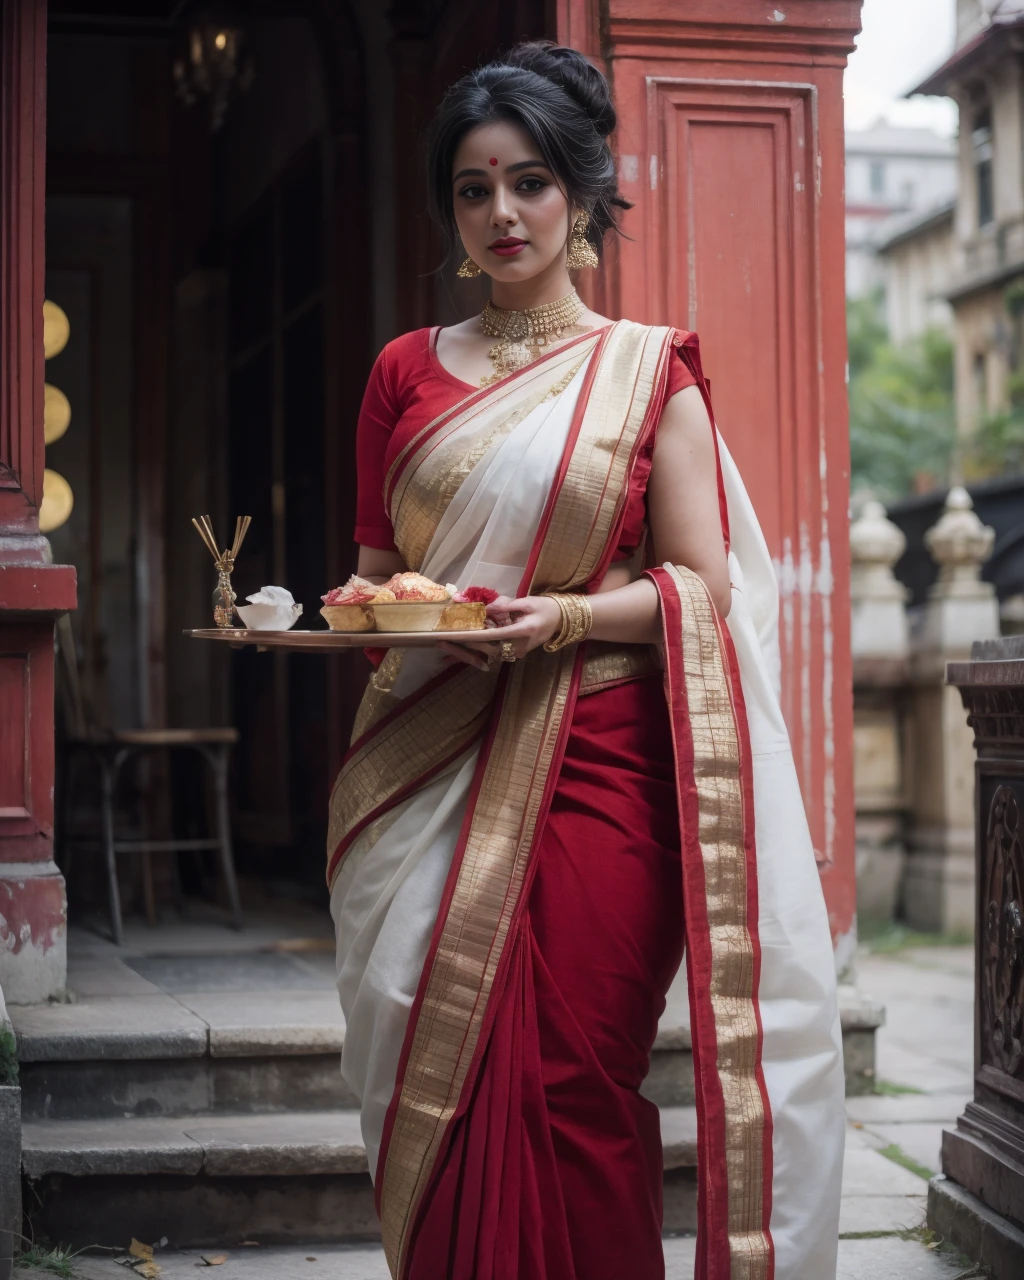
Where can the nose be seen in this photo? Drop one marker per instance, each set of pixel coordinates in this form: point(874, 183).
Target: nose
point(503, 212)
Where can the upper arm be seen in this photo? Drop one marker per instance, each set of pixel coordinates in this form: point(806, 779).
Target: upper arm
point(375, 563)
point(377, 419)
point(682, 495)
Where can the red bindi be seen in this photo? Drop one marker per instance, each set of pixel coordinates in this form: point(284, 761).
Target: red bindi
point(493, 160)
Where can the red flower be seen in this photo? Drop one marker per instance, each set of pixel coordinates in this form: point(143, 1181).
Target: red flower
point(476, 595)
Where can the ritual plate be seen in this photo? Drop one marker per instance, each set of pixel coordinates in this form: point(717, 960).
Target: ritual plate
point(330, 641)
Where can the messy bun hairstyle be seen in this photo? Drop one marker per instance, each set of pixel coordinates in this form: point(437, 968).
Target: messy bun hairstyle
point(562, 101)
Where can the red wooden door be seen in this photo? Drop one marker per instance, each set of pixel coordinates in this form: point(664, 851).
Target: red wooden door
point(730, 145)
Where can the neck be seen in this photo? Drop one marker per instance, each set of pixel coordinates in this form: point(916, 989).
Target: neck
point(520, 295)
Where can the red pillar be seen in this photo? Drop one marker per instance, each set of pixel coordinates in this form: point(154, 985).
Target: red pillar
point(730, 145)
point(32, 591)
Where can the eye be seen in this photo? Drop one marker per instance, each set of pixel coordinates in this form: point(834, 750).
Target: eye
point(472, 191)
point(531, 185)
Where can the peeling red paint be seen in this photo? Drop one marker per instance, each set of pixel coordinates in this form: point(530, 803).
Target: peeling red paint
point(33, 913)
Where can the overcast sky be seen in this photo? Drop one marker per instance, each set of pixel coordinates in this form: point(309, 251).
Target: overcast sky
point(901, 42)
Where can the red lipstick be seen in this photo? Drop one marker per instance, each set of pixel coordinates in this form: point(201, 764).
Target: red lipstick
point(507, 246)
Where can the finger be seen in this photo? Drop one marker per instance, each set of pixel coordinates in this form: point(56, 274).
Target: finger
point(463, 654)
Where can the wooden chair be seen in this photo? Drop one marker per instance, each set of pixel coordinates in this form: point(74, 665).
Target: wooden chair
point(109, 750)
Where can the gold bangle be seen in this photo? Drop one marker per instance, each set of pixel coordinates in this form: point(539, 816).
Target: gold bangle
point(577, 620)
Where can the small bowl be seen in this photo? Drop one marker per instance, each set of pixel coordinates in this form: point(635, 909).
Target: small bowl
point(269, 617)
point(348, 617)
point(409, 615)
point(464, 615)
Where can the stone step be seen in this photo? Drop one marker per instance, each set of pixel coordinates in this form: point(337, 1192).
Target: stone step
point(99, 1083)
point(271, 1178)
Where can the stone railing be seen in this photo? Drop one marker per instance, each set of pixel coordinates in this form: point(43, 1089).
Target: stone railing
point(913, 753)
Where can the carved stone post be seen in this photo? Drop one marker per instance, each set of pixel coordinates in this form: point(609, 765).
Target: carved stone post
point(880, 647)
point(979, 1204)
point(939, 883)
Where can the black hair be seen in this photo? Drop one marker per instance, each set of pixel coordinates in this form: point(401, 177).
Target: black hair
point(562, 101)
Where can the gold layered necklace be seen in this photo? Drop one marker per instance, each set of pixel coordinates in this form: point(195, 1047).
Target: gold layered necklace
point(523, 335)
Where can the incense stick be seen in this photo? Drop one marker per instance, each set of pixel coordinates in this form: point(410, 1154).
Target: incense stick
point(226, 558)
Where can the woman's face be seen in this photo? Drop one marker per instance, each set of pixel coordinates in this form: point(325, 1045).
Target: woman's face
point(512, 215)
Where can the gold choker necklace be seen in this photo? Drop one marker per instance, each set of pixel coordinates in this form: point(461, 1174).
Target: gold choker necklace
point(523, 335)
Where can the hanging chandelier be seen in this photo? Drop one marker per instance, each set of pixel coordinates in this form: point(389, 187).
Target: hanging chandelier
point(213, 64)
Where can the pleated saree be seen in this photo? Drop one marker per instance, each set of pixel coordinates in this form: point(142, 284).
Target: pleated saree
point(517, 859)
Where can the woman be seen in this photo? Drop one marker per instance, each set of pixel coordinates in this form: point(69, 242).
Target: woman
point(518, 846)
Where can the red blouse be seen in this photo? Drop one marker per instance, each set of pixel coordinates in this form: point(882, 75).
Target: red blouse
point(409, 387)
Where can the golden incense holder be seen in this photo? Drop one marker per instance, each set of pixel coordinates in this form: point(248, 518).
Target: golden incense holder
point(224, 563)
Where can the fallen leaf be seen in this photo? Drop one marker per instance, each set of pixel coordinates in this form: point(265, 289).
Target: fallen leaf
point(311, 1259)
point(214, 1259)
point(148, 1270)
point(139, 1250)
point(857, 1125)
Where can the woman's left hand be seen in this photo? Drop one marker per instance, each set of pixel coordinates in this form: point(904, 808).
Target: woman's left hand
point(525, 623)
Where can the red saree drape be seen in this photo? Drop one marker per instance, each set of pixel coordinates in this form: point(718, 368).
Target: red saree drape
point(554, 1170)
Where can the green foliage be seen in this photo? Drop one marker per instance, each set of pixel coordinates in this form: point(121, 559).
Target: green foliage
point(8, 1056)
point(889, 937)
point(902, 423)
point(57, 1261)
point(890, 1089)
point(996, 447)
point(897, 1155)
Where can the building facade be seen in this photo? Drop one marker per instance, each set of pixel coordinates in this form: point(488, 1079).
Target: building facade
point(916, 256)
point(892, 172)
point(984, 76)
point(227, 290)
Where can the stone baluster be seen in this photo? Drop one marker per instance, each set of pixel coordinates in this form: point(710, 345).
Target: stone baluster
point(938, 889)
point(880, 647)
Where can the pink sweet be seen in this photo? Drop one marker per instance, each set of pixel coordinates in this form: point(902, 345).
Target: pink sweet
point(475, 595)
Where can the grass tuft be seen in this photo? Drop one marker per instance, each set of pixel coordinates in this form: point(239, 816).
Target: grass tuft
point(8, 1055)
point(889, 937)
point(890, 1089)
point(55, 1261)
point(898, 1156)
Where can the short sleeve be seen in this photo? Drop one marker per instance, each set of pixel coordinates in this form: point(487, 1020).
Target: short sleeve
point(679, 378)
point(377, 419)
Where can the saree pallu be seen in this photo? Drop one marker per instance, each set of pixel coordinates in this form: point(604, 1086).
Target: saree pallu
point(445, 822)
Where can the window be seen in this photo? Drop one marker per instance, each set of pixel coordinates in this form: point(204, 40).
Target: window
point(981, 143)
point(876, 177)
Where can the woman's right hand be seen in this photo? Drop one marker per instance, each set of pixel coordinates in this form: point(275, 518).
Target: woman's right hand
point(481, 655)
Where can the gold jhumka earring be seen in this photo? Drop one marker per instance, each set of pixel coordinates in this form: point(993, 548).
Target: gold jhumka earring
point(581, 252)
point(469, 270)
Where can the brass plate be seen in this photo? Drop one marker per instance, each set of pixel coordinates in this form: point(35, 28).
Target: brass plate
point(330, 641)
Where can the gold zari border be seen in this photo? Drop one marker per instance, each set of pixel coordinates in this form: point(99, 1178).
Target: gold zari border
point(434, 728)
point(717, 761)
point(471, 944)
point(431, 468)
point(595, 485)
point(606, 664)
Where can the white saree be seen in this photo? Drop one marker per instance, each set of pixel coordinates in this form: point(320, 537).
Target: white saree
point(496, 464)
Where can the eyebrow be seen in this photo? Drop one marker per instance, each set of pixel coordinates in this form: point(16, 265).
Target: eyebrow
point(512, 168)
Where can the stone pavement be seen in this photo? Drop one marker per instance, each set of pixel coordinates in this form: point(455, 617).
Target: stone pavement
point(924, 1074)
